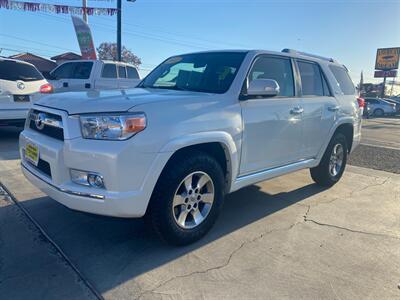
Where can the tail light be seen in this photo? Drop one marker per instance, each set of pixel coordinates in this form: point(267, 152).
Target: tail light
point(46, 88)
point(361, 102)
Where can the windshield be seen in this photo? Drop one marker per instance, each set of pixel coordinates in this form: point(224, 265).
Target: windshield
point(13, 70)
point(200, 72)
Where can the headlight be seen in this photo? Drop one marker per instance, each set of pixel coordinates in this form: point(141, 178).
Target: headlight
point(112, 127)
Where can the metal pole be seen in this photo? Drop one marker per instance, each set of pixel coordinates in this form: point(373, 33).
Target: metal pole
point(383, 86)
point(84, 5)
point(119, 17)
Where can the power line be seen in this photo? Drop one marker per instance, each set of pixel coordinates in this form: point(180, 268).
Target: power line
point(31, 41)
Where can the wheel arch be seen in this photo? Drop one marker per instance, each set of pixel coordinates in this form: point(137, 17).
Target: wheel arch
point(220, 145)
point(344, 126)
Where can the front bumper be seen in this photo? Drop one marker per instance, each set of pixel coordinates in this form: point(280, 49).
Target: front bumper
point(129, 176)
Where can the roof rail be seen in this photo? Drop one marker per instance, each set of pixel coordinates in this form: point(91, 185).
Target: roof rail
point(292, 51)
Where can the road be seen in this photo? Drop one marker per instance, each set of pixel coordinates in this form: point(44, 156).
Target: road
point(285, 238)
point(380, 145)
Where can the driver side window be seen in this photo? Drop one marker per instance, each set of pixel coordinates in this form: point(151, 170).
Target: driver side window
point(276, 68)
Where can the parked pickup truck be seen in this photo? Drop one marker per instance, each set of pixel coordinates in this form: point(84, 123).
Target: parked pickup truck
point(197, 127)
point(83, 75)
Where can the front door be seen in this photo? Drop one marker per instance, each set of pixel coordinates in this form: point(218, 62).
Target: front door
point(272, 126)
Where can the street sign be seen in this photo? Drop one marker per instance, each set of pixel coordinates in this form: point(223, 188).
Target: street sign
point(387, 58)
point(85, 39)
point(382, 74)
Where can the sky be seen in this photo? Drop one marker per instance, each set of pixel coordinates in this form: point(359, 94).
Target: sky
point(350, 31)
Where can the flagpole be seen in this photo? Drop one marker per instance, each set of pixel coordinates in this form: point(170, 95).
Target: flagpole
point(84, 5)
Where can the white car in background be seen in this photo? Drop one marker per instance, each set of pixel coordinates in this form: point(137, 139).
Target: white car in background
point(82, 75)
point(21, 84)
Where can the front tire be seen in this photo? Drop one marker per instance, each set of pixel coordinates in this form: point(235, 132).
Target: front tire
point(187, 198)
point(379, 113)
point(333, 163)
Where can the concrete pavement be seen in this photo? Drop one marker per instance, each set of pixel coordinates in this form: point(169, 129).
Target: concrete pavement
point(285, 238)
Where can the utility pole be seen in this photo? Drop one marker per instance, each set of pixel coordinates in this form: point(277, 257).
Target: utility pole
point(383, 86)
point(84, 5)
point(119, 17)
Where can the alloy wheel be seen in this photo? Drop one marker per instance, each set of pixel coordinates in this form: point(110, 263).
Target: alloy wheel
point(336, 160)
point(193, 200)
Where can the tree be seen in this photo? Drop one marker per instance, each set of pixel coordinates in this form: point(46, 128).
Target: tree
point(108, 51)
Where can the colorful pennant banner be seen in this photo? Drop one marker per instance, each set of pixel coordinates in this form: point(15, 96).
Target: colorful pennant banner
point(57, 9)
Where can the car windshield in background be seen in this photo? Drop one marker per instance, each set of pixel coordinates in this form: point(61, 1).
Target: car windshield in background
point(200, 72)
point(73, 70)
point(12, 70)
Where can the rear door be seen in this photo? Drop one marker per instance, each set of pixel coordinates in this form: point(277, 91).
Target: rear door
point(108, 77)
point(320, 107)
point(123, 82)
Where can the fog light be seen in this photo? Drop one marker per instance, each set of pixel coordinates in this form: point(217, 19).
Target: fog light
point(87, 178)
point(96, 180)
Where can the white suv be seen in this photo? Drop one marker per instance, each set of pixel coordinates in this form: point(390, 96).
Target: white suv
point(21, 84)
point(197, 127)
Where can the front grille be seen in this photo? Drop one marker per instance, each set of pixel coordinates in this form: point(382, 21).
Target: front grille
point(47, 123)
point(43, 166)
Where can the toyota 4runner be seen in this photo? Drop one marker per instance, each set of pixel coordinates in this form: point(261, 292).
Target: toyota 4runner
point(197, 127)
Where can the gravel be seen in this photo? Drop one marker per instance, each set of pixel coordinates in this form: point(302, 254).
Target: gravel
point(378, 158)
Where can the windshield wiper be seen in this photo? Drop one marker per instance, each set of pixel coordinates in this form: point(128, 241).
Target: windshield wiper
point(176, 88)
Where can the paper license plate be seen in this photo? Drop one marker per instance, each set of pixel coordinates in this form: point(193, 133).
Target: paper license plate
point(32, 153)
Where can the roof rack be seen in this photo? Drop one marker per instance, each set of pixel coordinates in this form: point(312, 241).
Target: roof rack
point(292, 51)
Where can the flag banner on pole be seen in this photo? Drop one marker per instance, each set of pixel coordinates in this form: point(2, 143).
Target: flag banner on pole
point(57, 9)
point(85, 39)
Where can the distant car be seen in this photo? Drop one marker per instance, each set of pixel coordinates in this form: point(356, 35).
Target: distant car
point(20, 86)
point(379, 107)
point(81, 75)
point(395, 102)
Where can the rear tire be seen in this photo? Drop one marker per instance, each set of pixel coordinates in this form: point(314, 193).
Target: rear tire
point(187, 199)
point(333, 163)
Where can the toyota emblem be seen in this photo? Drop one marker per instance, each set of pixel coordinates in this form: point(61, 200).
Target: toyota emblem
point(39, 122)
point(20, 85)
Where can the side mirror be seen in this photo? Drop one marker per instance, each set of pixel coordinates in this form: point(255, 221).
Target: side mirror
point(263, 87)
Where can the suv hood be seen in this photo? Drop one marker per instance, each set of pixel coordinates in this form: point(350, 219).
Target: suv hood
point(111, 100)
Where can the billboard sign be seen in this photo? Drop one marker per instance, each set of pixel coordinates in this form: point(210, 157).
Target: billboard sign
point(387, 59)
point(85, 39)
point(381, 74)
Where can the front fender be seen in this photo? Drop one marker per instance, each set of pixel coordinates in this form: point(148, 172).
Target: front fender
point(225, 139)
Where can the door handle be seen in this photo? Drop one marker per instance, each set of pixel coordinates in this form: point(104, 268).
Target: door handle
point(297, 110)
point(334, 108)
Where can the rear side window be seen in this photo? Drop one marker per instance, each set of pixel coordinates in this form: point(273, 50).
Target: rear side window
point(279, 69)
point(121, 72)
point(13, 70)
point(109, 71)
point(73, 70)
point(132, 73)
point(343, 79)
point(312, 80)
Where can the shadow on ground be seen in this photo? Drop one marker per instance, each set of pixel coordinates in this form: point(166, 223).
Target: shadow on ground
point(9, 142)
point(111, 251)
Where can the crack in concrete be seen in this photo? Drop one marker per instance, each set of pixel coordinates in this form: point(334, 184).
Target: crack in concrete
point(306, 219)
point(221, 266)
point(350, 194)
